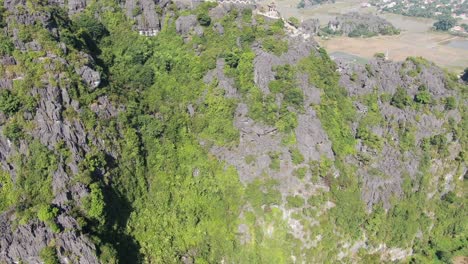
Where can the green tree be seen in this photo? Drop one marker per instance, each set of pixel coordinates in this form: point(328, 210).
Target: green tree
point(94, 203)
point(450, 103)
point(423, 97)
point(9, 103)
point(301, 4)
point(136, 11)
point(464, 76)
point(49, 255)
point(6, 46)
point(13, 131)
point(47, 213)
point(91, 25)
point(400, 99)
point(294, 21)
point(204, 19)
point(445, 23)
point(2, 14)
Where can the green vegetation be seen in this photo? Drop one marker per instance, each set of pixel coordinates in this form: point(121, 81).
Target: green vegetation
point(33, 186)
point(380, 55)
point(94, 203)
point(450, 103)
point(294, 21)
point(204, 19)
point(47, 214)
point(2, 14)
point(433, 9)
point(8, 196)
point(163, 196)
point(49, 255)
point(401, 98)
point(9, 104)
point(372, 118)
point(361, 31)
point(275, 46)
point(274, 161)
point(262, 192)
point(336, 109)
point(296, 156)
point(301, 4)
point(423, 97)
point(13, 131)
point(445, 23)
point(300, 172)
point(6, 46)
point(465, 75)
point(464, 26)
point(295, 201)
point(136, 11)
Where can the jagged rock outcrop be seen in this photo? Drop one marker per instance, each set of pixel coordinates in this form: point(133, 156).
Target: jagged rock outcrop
point(310, 26)
point(144, 12)
point(224, 82)
point(264, 61)
point(311, 3)
point(355, 24)
point(25, 242)
point(186, 24)
point(383, 175)
point(76, 6)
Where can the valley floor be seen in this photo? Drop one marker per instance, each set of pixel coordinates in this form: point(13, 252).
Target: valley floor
point(416, 38)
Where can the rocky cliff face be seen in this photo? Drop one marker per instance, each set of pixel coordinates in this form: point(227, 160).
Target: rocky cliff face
point(311, 3)
point(356, 24)
point(384, 77)
point(25, 242)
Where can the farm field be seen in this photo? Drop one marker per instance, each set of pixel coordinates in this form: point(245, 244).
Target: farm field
point(416, 38)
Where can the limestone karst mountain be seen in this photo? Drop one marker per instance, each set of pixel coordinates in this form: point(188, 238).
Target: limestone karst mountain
point(220, 136)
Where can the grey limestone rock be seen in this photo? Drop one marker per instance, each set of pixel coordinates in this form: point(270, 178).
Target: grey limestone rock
point(312, 140)
point(104, 108)
point(147, 17)
point(264, 61)
point(310, 26)
point(224, 82)
point(350, 22)
point(91, 77)
point(382, 175)
point(185, 24)
point(76, 6)
point(198, 30)
point(6, 84)
point(8, 60)
point(311, 3)
point(220, 11)
point(25, 242)
point(219, 28)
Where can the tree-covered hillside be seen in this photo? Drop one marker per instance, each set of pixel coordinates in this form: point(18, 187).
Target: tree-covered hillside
point(225, 138)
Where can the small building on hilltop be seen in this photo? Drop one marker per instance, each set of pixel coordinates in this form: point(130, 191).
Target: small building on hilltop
point(148, 32)
point(270, 11)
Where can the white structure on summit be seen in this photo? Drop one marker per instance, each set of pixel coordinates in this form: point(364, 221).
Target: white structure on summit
point(237, 2)
point(271, 12)
point(148, 32)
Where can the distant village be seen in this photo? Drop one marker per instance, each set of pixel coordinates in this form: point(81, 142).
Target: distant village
point(457, 9)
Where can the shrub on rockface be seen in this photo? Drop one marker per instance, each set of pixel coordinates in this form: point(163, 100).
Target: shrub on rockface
point(9, 103)
point(400, 98)
point(204, 19)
